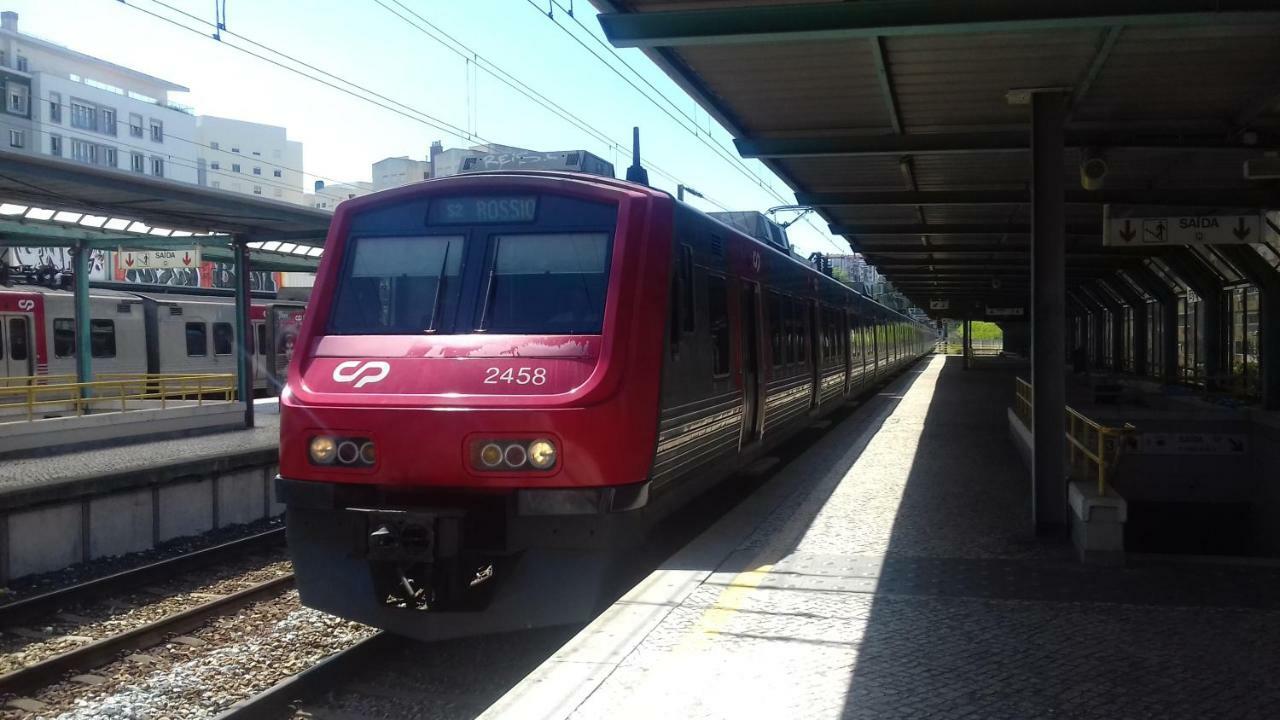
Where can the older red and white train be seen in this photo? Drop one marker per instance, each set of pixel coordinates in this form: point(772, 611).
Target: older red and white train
point(505, 379)
point(142, 332)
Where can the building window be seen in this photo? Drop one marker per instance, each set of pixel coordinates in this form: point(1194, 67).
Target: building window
point(157, 166)
point(18, 96)
point(137, 163)
point(55, 145)
point(82, 151)
point(108, 121)
point(277, 173)
point(157, 130)
point(55, 107)
point(84, 116)
point(135, 125)
point(257, 189)
point(213, 145)
point(22, 64)
point(255, 152)
point(222, 338)
point(214, 166)
point(17, 138)
point(235, 167)
point(107, 156)
point(257, 171)
point(197, 339)
point(235, 149)
point(64, 337)
point(102, 338)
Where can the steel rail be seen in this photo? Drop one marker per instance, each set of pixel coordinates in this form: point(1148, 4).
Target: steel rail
point(53, 601)
point(107, 649)
point(273, 702)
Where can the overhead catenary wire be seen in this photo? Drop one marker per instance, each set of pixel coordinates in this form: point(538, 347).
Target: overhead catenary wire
point(377, 99)
point(475, 60)
point(702, 137)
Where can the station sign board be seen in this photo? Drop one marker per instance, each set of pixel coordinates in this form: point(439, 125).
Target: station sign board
point(1122, 229)
point(1005, 311)
point(939, 304)
point(1192, 443)
point(184, 257)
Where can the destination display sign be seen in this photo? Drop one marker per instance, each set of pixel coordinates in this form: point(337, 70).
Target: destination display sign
point(483, 210)
point(1005, 311)
point(1209, 229)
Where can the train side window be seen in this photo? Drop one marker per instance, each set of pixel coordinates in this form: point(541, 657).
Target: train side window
point(102, 338)
point(718, 312)
point(223, 338)
point(64, 337)
point(686, 288)
point(262, 339)
point(802, 332)
point(775, 330)
point(197, 339)
point(18, 349)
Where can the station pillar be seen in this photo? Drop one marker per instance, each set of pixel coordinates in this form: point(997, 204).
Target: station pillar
point(1267, 280)
point(84, 348)
point(1048, 313)
point(244, 358)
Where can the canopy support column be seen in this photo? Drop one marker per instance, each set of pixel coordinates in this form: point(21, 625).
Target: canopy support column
point(84, 350)
point(244, 358)
point(1048, 312)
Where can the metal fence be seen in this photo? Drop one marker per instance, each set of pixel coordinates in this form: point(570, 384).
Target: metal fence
point(1094, 448)
point(32, 397)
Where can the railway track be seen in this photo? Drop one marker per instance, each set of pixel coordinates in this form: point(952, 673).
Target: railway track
point(46, 603)
point(279, 699)
point(107, 649)
point(32, 675)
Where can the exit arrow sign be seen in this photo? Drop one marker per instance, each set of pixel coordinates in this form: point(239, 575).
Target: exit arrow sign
point(1124, 228)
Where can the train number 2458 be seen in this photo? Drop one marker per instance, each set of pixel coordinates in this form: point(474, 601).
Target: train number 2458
point(517, 376)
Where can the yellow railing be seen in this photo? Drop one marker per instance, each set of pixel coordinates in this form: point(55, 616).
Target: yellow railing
point(1096, 446)
point(114, 391)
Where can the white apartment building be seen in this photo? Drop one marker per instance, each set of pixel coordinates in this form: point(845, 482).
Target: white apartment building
point(96, 112)
point(397, 171)
point(250, 158)
point(327, 197)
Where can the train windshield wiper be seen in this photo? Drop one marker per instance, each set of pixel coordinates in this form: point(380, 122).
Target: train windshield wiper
point(435, 303)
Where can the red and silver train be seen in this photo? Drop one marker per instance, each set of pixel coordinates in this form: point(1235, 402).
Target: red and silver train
point(505, 379)
point(142, 332)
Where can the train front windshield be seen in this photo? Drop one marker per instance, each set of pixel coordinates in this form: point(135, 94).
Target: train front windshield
point(539, 267)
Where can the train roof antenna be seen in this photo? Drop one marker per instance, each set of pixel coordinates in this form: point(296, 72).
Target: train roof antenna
point(636, 173)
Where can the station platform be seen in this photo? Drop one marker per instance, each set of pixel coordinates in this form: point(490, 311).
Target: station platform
point(57, 510)
point(891, 572)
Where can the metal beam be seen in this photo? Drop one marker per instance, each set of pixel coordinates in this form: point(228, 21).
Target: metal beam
point(857, 230)
point(244, 361)
point(1048, 315)
point(84, 345)
point(886, 84)
point(836, 21)
point(1013, 141)
point(1180, 197)
point(1109, 38)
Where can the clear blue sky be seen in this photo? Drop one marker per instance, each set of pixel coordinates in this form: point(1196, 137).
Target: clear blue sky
point(363, 42)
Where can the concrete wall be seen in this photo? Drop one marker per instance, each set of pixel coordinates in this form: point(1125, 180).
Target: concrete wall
point(49, 536)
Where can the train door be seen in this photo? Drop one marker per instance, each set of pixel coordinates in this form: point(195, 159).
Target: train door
point(15, 345)
point(749, 307)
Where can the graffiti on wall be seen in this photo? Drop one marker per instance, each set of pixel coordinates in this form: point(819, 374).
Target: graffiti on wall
point(56, 260)
point(207, 275)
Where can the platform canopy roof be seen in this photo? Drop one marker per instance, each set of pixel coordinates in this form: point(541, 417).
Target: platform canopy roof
point(905, 123)
point(163, 207)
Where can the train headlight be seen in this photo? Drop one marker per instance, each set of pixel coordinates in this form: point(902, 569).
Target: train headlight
point(367, 454)
point(323, 450)
point(542, 454)
point(491, 455)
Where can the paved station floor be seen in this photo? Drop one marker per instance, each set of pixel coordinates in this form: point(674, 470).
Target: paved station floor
point(891, 573)
point(123, 457)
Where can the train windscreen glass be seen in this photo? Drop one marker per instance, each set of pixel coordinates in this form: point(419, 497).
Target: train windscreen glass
point(398, 284)
point(546, 283)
